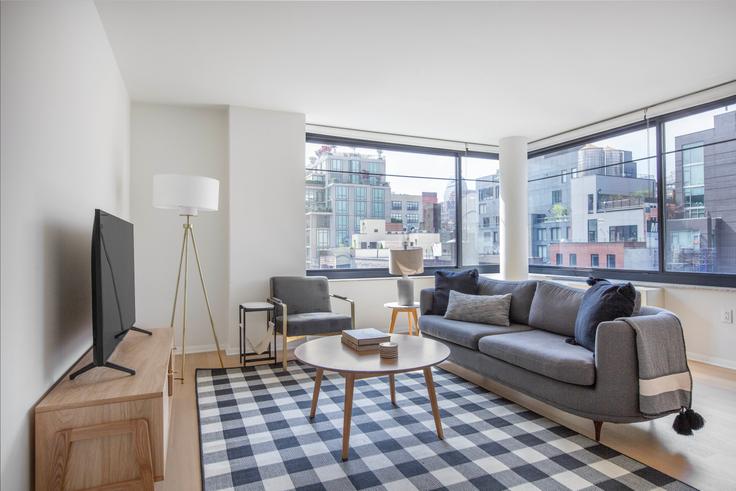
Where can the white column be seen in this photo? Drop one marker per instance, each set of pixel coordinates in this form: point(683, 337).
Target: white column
point(514, 219)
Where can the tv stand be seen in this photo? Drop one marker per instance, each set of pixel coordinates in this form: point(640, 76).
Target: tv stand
point(107, 364)
point(104, 430)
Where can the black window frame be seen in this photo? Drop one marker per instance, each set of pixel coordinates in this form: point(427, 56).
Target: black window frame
point(660, 275)
point(355, 273)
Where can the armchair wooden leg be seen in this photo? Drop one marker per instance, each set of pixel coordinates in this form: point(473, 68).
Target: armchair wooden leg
point(598, 425)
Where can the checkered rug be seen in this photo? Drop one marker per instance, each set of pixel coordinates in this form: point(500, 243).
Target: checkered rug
point(255, 433)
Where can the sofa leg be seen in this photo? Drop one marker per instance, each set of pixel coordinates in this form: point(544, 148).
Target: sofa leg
point(598, 425)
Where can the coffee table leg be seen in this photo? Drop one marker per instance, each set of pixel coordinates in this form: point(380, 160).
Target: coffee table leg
point(433, 401)
point(392, 384)
point(315, 396)
point(349, 385)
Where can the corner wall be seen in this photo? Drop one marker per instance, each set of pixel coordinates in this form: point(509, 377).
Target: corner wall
point(166, 139)
point(64, 153)
point(266, 204)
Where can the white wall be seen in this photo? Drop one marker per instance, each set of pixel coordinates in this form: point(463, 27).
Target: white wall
point(179, 140)
point(266, 203)
point(370, 294)
point(699, 308)
point(64, 153)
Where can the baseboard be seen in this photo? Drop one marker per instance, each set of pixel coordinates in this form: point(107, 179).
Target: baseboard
point(197, 348)
point(712, 360)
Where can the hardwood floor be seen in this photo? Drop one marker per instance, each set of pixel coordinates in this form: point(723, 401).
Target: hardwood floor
point(706, 460)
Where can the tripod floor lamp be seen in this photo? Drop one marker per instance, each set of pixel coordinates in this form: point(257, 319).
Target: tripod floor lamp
point(189, 195)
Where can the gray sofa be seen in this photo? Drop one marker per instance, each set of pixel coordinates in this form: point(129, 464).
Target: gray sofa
point(532, 357)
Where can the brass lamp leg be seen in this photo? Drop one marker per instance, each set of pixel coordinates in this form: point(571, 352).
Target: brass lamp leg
point(186, 281)
point(178, 276)
point(206, 298)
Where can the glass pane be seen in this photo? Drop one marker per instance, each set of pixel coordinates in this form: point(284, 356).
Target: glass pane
point(700, 218)
point(361, 202)
point(596, 200)
point(480, 199)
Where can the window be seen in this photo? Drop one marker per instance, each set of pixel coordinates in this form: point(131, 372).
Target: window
point(556, 196)
point(541, 234)
point(622, 233)
point(341, 222)
point(610, 196)
point(479, 203)
point(378, 204)
point(611, 261)
point(323, 239)
point(592, 230)
point(700, 205)
point(558, 259)
point(357, 192)
point(594, 261)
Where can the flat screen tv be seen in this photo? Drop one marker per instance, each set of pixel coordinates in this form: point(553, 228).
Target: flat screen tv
point(113, 288)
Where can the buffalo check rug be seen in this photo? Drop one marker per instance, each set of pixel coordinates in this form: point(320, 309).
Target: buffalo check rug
point(255, 433)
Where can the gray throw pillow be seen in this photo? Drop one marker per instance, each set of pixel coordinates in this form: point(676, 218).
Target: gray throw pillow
point(485, 309)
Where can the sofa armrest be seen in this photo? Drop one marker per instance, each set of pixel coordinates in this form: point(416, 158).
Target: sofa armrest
point(616, 363)
point(426, 297)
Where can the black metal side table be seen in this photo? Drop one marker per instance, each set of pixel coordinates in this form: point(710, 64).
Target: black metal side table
point(256, 307)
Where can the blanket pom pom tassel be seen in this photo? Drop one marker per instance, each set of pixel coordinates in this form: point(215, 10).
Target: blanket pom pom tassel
point(686, 421)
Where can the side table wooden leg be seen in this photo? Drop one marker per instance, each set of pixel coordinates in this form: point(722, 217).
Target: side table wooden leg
point(416, 320)
point(349, 385)
point(315, 396)
point(393, 321)
point(392, 385)
point(411, 323)
point(433, 402)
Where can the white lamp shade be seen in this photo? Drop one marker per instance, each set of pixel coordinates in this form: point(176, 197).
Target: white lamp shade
point(406, 261)
point(188, 194)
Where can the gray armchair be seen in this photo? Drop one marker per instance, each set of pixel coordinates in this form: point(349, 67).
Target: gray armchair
point(302, 307)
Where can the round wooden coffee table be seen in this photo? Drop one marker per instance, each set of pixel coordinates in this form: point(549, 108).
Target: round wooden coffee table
point(329, 353)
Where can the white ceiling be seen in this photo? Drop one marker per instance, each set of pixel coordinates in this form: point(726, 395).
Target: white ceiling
point(465, 71)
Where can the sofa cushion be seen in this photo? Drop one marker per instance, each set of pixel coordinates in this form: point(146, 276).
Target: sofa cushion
point(485, 309)
point(463, 333)
point(314, 323)
point(555, 308)
point(603, 301)
point(444, 281)
point(544, 353)
point(522, 293)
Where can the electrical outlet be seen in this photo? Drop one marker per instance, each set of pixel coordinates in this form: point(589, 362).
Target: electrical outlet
point(727, 316)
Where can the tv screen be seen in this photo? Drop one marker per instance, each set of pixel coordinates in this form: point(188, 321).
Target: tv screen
point(113, 283)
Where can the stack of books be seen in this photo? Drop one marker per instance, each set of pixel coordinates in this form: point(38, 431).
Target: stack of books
point(364, 340)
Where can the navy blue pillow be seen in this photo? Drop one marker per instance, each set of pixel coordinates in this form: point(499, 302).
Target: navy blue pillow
point(604, 301)
point(444, 281)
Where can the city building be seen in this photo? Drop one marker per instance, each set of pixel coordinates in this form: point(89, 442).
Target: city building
point(406, 211)
point(702, 213)
point(342, 188)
